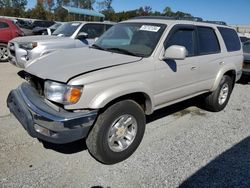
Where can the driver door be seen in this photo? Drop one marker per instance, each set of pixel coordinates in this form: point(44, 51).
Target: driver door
point(176, 79)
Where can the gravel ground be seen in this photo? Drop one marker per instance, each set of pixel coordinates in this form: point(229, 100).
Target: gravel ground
point(183, 146)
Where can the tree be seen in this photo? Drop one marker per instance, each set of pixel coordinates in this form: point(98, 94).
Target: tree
point(145, 11)
point(13, 7)
point(105, 5)
point(61, 14)
point(39, 12)
point(106, 8)
point(168, 12)
point(20, 4)
point(49, 4)
point(182, 14)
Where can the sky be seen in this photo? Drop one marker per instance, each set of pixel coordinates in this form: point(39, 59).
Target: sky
point(230, 11)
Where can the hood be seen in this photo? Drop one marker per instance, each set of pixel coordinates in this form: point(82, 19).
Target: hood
point(65, 64)
point(39, 38)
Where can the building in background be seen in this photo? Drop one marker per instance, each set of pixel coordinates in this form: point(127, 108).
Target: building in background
point(83, 14)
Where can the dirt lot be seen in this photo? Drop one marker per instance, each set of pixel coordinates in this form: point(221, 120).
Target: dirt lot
point(183, 146)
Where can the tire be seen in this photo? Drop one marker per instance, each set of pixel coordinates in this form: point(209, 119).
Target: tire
point(218, 99)
point(3, 53)
point(117, 132)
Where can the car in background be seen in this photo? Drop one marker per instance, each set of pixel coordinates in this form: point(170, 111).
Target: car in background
point(25, 26)
point(51, 29)
point(8, 31)
point(39, 26)
point(22, 51)
point(246, 52)
point(243, 37)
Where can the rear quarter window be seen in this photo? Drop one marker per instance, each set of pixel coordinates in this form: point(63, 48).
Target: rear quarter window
point(230, 38)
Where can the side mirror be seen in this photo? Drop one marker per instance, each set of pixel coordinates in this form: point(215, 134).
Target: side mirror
point(96, 39)
point(175, 52)
point(82, 35)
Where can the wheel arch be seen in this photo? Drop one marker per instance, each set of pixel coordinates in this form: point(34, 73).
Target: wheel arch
point(229, 72)
point(124, 92)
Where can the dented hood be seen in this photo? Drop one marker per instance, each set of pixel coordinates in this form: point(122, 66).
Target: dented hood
point(67, 63)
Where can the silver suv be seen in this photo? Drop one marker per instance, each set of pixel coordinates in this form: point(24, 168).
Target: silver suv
point(22, 51)
point(103, 93)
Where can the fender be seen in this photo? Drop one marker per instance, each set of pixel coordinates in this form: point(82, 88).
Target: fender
point(110, 94)
point(222, 71)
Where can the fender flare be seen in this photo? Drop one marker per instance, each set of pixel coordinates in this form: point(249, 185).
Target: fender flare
point(220, 74)
point(115, 92)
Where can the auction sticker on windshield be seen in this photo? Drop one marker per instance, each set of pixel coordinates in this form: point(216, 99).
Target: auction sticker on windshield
point(75, 24)
point(150, 28)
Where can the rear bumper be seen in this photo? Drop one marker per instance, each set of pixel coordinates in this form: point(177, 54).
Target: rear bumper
point(44, 122)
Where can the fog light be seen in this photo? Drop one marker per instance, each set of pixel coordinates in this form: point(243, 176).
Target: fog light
point(42, 130)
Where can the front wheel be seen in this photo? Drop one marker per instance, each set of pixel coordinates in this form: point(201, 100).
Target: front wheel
point(117, 132)
point(218, 99)
point(3, 53)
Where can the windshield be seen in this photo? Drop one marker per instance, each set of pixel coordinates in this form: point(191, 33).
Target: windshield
point(137, 39)
point(55, 26)
point(66, 29)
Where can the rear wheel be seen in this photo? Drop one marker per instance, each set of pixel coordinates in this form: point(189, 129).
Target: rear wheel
point(218, 99)
point(117, 132)
point(3, 52)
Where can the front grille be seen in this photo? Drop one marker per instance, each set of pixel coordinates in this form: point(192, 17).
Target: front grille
point(34, 81)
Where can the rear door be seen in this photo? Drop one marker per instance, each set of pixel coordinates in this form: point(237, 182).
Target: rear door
point(209, 56)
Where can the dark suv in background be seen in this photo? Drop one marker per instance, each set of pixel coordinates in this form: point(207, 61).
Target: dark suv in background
point(39, 26)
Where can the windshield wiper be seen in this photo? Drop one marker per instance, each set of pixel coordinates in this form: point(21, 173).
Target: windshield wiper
point(97, 47)
point(124, 51)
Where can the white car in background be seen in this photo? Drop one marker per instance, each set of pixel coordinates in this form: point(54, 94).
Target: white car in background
point(246, 52)
point(23, 50)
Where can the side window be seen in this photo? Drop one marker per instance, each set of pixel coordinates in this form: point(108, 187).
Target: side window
point(230, 38)
point(183, 37)
point(208, 41)
point(93, 30)
point(3, 25)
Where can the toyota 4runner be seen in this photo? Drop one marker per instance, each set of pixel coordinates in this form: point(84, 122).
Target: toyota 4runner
point(102, 93)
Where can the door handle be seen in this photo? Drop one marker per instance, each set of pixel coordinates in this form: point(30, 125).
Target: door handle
point(222, 62)
point(193, 68)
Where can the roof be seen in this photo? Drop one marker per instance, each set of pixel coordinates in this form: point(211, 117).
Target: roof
point(83, 11)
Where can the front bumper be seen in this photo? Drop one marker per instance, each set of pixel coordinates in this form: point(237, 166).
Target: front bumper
point(44, 122)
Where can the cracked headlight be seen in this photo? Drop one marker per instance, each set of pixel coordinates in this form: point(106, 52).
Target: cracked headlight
point(62, 93)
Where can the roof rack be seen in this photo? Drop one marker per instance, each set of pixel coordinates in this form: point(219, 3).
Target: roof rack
point(195, 19)
point(169, 18)
point(216, 22)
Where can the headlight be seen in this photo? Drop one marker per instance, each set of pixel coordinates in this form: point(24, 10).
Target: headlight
point(62, 93)
point(28, 46)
